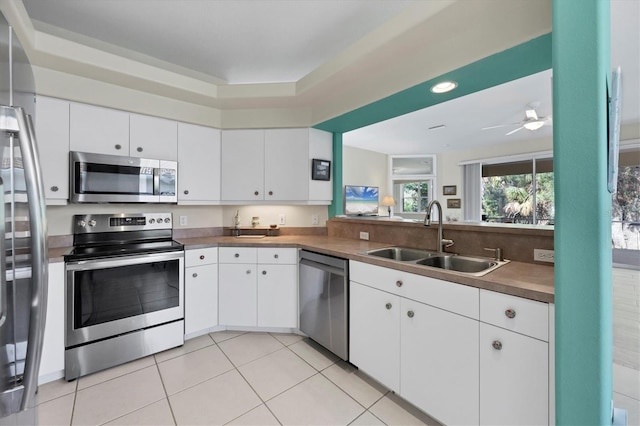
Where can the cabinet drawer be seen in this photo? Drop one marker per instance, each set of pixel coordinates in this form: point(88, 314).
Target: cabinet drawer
point(238, 254)
point(197, 257)
point(278, 255)
point(445, 295)
point(515, 313)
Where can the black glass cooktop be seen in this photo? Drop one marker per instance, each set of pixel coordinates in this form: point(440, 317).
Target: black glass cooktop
point(124, 249)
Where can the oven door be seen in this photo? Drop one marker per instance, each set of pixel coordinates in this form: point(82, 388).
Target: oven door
point(108, 297)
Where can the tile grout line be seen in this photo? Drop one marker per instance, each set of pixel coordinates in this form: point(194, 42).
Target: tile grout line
point(166, 394)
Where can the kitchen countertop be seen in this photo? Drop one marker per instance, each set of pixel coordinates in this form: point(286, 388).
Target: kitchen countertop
point(515, 278)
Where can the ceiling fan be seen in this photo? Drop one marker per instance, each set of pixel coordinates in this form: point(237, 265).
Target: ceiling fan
point(531, 122)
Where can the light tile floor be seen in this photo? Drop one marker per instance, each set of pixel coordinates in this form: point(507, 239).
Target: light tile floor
point(626, 392)
point(228, 378)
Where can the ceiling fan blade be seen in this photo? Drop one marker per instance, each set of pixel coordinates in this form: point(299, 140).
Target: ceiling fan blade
point(531, 114)
point(513, 131)
point(500, 125)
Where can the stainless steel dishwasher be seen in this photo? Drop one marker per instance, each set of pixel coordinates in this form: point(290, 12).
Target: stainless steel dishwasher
point(324, 301)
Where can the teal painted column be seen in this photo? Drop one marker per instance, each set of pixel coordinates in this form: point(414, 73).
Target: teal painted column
point(337, 207)
point(583, 212)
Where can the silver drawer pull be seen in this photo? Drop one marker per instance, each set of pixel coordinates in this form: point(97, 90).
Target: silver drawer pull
point(202, 257)
point(236, 255)
point(54, 188)
point(248, 271)
point(388, 306)
point(195, 275)
point(118, 146)
point(497, 345)
point(264, 272)
point(510, 313)
point(399, 283)
point(410, 314)
point(275, 256)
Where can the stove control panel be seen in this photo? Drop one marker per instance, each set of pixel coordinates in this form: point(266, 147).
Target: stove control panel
point(91, 223)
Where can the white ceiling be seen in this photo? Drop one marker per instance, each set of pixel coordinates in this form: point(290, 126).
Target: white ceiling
point(271, 41)
point(236, 41)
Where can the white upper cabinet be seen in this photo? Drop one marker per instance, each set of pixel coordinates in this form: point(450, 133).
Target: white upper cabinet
point(153, 137)
point(198, 164)
point(98, 130)
point(52, 134)
point(286, 154)
point(243, 165)
point(274, 165)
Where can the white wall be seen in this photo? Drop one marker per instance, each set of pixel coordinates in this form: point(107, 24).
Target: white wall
point(362, 167)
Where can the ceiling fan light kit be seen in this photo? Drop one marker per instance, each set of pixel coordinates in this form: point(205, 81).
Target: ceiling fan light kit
point(533, 125)
point(531, 122)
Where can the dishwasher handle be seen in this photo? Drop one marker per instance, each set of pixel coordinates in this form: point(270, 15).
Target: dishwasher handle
point(327, 268)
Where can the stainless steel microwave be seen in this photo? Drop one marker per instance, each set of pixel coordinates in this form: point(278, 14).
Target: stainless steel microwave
point(100, 178)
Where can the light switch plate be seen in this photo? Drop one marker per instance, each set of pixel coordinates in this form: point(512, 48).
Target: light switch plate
point(183, 221)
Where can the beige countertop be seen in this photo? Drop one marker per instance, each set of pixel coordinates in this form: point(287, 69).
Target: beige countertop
point(515, 278)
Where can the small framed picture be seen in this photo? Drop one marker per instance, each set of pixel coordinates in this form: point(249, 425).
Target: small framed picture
point(449, 190)
point(453, 203)
point(320, 169)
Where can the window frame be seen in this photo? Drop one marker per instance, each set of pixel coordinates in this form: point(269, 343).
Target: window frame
point(394, 179)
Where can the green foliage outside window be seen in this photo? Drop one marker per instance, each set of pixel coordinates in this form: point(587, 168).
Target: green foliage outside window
point(415, 197)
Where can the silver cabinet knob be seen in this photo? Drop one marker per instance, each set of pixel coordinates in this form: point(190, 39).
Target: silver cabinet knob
point(118, 146)
point(497, 345)
point(275, 256)
point(186, 192)
point(270, 192)
point(54, 188)
point(510, 313)
point(236, 255)
point(410, 314)
point(248, 271)
point(195, 275)
point(202, 257)
point(256, 193)
point(388, 306)
point(264, 272)
point(139, 149)
point(399, 283)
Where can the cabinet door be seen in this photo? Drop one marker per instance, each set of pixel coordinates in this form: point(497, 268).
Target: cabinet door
point(242, 165)
point(238, 295)
point(201, 298)
point(153, 137)
point(514, 385)
point(98, 130)
point(374, 334)
point(198, 164)
point(277, 296)
point(287, 172)
point(52, 361)
point(439, 363)
point(52, 131)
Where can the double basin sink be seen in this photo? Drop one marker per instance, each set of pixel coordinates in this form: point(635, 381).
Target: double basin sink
point(445, 261)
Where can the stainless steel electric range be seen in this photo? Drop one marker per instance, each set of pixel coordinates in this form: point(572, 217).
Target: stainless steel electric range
point(124, 290)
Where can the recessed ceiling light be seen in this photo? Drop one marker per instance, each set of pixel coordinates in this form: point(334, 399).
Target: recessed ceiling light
point(444, 87)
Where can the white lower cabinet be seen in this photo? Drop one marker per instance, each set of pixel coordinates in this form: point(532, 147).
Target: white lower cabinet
point(439, 367)
point(201, 290)
point(374, 334)
point(52, 361)
point(258, 287)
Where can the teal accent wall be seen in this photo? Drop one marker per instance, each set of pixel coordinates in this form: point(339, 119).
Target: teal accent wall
point(337, 206)
point(583, 212)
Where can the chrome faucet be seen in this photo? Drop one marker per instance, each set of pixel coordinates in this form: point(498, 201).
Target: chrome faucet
point(442, 243)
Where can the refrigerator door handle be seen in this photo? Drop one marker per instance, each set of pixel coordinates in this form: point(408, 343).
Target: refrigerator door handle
point(14, 119)
point(3, 276)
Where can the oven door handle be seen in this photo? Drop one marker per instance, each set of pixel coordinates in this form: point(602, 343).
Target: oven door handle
point(114, 262)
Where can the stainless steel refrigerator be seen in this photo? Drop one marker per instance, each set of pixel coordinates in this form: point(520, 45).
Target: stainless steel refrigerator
point(23, 242)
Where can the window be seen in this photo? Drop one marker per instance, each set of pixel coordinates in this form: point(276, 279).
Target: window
point(518, 192)
point(625, 211)
point(412, 182)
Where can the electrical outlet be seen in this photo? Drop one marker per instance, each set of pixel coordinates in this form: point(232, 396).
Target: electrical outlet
point(541, 255)
point(315, 219)
point(364, 235)
point(183, 221)
point(282, 219)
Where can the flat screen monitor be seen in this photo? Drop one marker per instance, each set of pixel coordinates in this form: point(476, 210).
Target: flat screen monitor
point(360, 200)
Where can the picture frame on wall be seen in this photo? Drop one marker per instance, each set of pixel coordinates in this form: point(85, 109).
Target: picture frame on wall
point(449, 190)
point(320, 169)
point(453, 203)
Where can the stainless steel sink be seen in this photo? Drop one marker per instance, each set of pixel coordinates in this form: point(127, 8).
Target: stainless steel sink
point(401, 253)
point(468, 265)
point(432, 259)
